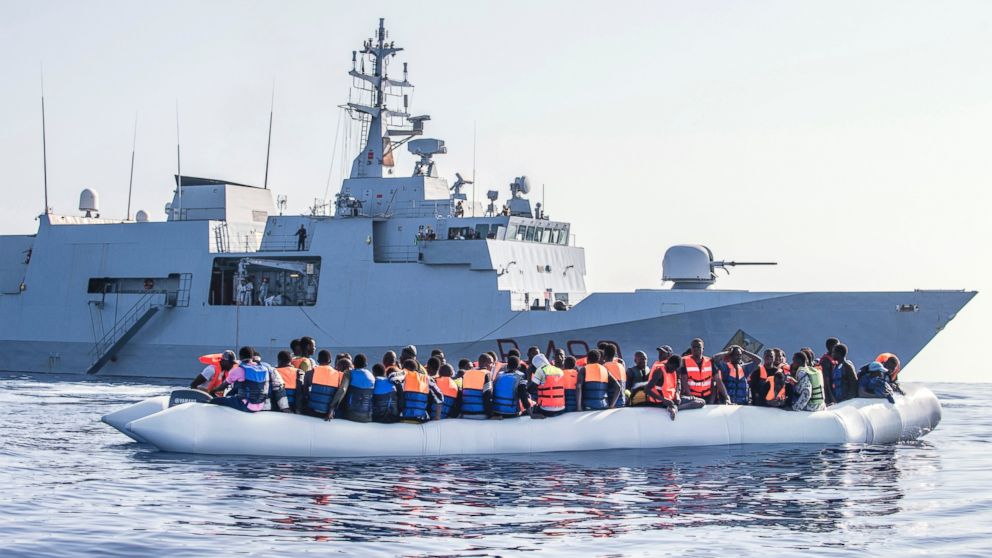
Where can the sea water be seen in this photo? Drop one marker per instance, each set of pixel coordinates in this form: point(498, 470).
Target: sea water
point(71, 485)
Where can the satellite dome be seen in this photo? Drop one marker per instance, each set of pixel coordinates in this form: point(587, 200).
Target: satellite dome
point(141, 216)
point(89, 202)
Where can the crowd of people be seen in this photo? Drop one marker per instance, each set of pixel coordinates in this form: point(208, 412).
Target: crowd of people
point(402, 389)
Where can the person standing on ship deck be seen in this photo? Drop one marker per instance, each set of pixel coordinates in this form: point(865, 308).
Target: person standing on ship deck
point(301, 238)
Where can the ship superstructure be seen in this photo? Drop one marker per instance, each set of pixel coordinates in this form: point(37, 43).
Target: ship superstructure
point(402, 260)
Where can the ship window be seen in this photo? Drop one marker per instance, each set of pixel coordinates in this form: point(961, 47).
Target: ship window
point(511, 231)
point(521, 231)
point(530, 234)
point(563, 237)
point(482, 231)
point(269, 282)
point(539, 235)
point(553, 237)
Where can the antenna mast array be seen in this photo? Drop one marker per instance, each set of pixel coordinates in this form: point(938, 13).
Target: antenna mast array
point(379, 122)
point(44, 142)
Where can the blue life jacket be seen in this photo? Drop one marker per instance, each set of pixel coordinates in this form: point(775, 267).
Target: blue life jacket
point(416, 394)
point(473, 390)
point(738, 389)
point(359, 397)
point(595, 389)
point(256, 384)
point(837, 381)
point(385, 407)
point(325, 382)
point(505, 401)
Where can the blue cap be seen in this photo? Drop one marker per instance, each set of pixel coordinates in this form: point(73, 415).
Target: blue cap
point(877, 367)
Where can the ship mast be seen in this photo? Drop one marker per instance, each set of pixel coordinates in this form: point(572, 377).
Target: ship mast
point(377, 151)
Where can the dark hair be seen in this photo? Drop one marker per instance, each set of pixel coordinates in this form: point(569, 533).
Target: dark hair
point(307, 341)
point(464, 364)
point(433, 363)
point(696, 340)
point(294, 346)
point(532, 351)
point(801, 357)
point(569, 363)
point(674, 360)
point(361, 361)
point(246, 353)
point(513, 352)
point(324, 357)
point(485, 357)
point(436, 352)
point(610, 351)
point(388, 358)
point(831, 343)
point(840, 348)
point(512, 362)
point(342, 356)
point(378, 370)
point(446, 371)
point(592, 357)
point(284, 358)
point(410, 364)
point(810, 355)
point(343, 364)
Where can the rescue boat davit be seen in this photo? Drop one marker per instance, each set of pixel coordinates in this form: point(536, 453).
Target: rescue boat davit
point(206, 429)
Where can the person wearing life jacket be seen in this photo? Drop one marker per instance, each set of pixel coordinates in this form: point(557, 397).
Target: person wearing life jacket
point(827, 362)
point(451, 390)
point(464, 365)
point(418, 393)
point(698, 377)
point(254, 385)
point(558, 358)
point(410, 353)
point(873, 382)
point(663, 389)
point(477, 390)
point(735, 373)
point(389, 363)
point(892, 367)
point(510, 396)
point(385, 397)
point(571, 375)
point(292, 379)
point(664, 353)
point(357, 402)
point(305, 361)
point(213, 376)
point(843, 378)
point(325, 387)
point(809, 387)
point(618, 371)
point(767, 382)
point(548, 382)
point(594, 384)
point(432, 366)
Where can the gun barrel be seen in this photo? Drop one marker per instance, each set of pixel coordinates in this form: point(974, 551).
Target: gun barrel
point(725, 264)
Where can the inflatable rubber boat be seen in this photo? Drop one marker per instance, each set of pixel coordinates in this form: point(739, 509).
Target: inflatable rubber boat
point(206, 429)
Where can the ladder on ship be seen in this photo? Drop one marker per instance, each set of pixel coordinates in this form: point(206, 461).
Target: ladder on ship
point(150, 304)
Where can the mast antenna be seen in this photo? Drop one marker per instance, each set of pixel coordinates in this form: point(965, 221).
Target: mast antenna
point(130, 181)
point(179, 165)
point(44, 142)
point(474, 129)
point(268, 146)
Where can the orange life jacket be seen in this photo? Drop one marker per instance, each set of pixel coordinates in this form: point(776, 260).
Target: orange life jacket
point(618, 372)
point(772, 392)
point(447, 386)
point(288, 375)
point(883, 358)
point(700, 377)
point(570, 378)
point(219, 375)
point(297, 361)
point(666, 389)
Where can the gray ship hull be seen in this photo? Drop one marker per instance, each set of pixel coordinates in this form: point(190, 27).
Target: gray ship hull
point(872, 322)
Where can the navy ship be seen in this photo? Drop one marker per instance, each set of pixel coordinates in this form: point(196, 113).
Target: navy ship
point(399, 258)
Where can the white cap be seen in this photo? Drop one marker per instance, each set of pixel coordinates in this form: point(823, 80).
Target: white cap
point(539, 361)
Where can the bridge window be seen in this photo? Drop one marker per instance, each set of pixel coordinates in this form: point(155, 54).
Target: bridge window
point(530, 234)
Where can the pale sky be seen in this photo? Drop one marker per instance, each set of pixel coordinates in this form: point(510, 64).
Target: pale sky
point(853, 134)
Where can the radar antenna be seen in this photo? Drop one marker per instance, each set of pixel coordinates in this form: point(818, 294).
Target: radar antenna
point(458, 185)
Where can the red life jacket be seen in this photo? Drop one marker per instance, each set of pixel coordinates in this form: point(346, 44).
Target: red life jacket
point(700, 377)
point(666, 389)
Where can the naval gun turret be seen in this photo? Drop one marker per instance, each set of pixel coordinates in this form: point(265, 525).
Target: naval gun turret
point(691, 266)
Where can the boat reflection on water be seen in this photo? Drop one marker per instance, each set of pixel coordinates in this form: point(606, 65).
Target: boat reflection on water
point(591, 494)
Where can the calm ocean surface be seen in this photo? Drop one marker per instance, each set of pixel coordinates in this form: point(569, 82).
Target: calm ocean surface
point(74, 486)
